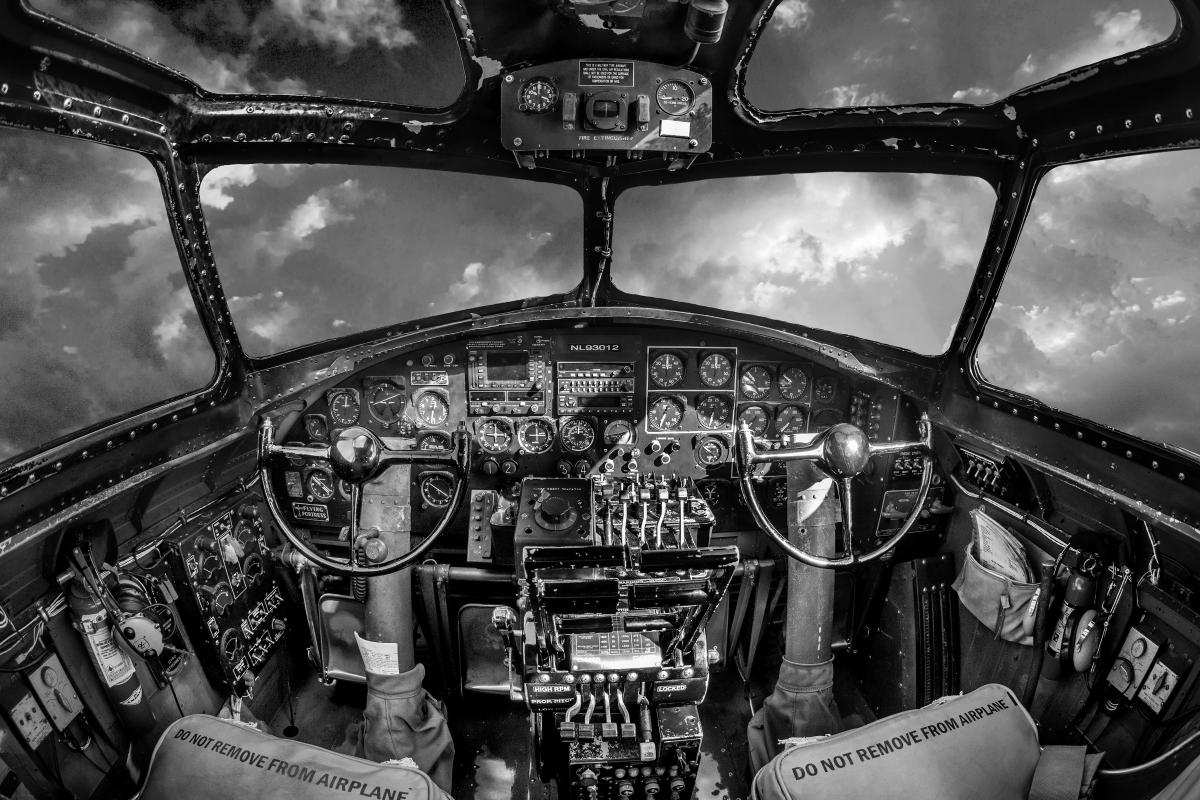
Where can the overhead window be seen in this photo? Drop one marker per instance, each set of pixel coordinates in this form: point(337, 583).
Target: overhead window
point(1098, 315)
point(96, 319)
point(308, 253)
point(841, 53)
point(396, 52)
point(883, 256)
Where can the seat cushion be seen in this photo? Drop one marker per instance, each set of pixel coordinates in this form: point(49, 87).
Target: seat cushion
point(204, 757)
point(978, 746)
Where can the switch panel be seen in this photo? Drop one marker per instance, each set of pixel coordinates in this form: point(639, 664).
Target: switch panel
point(1133, 662)
point(1161, 682)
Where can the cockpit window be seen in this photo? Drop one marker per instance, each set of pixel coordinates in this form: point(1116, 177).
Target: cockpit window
point(393, 52)
point(836, 54)
point(308, 253)
point(883, 256)
point(1098, 315)
point(96, 319)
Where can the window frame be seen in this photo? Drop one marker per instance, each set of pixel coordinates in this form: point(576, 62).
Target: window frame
point(1158, 456)
point(110, 432)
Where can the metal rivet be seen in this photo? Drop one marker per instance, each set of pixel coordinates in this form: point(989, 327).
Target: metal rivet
point(1071, 135)
point(1099, 129)
point(508, 78)
point(1079, 435)
point(241, 137)
point(1035, 417)
point(97, 111)
point(68, 103)
point(3, 88)
point(312, 137)
point(1035, 141)
point(275, 137)
point(349, 126)
point(1016, 412)
point(1129, 454)
point(995, 404)
point(1154, 465)
point(1181, 476)
point(124, 119)
point(1188, 113)
point(518, 141)
point(1158, 117)
point(37, 95)
point(1057, 426)
point(206, 138)
point(1128, 123)
point(162, 129)
point(1103, 443)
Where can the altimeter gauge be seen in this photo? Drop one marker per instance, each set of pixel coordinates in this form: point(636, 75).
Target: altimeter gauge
point(755, 418)
point(793, 384)
point(432, 408)
point(789, 419)
point(756, 382)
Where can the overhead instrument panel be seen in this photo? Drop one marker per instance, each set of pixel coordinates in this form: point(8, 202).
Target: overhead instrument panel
point(606, 104)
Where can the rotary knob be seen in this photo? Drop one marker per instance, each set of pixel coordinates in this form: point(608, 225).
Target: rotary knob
point(554, 510)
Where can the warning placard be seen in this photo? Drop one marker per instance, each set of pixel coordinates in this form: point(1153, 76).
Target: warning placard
point(606, 73)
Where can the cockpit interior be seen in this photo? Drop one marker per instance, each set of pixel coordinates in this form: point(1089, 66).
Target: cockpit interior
point(599, 399)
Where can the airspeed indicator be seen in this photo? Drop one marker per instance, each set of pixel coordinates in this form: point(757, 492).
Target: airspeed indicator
point(665, 414)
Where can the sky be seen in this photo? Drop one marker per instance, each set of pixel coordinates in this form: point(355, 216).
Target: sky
point(95, 319)
point(842, 53)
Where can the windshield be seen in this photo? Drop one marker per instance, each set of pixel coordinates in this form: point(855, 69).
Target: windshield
point(883, 256)
point(308, 253)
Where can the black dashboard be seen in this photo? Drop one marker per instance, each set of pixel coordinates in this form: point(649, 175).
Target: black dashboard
point(567, 402)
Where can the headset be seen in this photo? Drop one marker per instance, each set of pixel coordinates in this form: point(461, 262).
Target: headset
point(1078, 629)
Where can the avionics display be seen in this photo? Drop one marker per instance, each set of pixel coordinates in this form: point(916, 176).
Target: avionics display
point(506, 366)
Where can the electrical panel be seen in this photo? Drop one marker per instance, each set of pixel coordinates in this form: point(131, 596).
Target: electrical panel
point(232, 604)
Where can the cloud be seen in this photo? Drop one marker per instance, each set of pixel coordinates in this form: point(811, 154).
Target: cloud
point(95, 317)
point(328, 206)
point(1097, 315)
point(340, 25)
point(792, 15)
point(899, 250)
point(925, 51)
point(213, 192)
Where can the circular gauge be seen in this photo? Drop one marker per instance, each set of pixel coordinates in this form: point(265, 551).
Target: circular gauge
point(247, 535)
point(432, 408)
point(536, 436)
point(825, 389)
point(210, 570)
point(715, 370)
point(826, 419)
point(345, 489)
point(538, 96)
point(436, 489)
point(755, 418)
point(319, 483)
point(710, 452)
point(433, 441)
point(231, 646)
point(665, 414)
point(620, 431)
point(793, 383)
point(666, 370)
point(344, 406)
point(495, 435)
point(316, 427)
point(714, 412)
point(385, 401)
point(674, 98)
point(789, 419)
point(756, 382)
point(577, 435)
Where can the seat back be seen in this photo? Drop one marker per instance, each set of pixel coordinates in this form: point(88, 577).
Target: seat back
point(978, 746)
point(202, 757)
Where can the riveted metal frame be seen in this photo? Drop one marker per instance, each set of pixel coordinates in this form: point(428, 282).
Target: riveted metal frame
point(58, 79)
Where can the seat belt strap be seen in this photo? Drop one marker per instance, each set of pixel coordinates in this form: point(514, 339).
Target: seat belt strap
point(1059, 773)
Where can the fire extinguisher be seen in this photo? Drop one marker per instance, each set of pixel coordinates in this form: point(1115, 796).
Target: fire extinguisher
point(90, 617)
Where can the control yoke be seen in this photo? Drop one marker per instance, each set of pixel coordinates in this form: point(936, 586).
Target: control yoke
point(842, 452)
point(357, 455)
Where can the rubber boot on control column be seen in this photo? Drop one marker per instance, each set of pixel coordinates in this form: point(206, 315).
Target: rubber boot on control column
point(802, 703)
point(400, 720)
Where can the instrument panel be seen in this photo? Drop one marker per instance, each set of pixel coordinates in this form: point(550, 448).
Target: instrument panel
point(571, 403)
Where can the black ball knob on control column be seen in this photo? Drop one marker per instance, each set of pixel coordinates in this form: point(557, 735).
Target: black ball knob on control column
point(355, 454)
point(847, 450)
